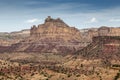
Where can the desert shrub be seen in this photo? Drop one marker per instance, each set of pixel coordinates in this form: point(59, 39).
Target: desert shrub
point(47, 79)
point(78, 75)
point(116, 65)
point(2, 74)
point(117, 76)
point(81, 65)
point(19, 77)
point(32, 74)
point(69, 75)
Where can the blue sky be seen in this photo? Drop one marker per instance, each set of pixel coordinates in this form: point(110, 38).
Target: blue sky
point(16, 15)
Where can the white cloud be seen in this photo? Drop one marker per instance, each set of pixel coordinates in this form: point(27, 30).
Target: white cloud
point(114, 20)
point(32, 20)
point(93, 20)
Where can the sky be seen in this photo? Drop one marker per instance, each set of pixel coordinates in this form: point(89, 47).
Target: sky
point(16, 15)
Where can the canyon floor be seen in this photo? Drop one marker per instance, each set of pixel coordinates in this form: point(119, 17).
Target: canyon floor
point(49, 66)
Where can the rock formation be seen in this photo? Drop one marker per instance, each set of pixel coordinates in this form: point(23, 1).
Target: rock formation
point(55, 29)
point(105, 31)
point(103, 47)
point(54, 36)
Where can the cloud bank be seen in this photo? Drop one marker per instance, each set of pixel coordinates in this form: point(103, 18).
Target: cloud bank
point(32, 20)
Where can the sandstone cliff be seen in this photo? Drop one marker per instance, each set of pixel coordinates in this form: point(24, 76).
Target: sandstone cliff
point(55, 29)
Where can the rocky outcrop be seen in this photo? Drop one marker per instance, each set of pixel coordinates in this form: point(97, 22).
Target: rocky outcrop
point(54, 36)
point(103, 47)
point(3, 48)
point(55, 29)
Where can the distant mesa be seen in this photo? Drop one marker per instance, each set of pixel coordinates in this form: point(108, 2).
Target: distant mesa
point(88, 34)
point(109, 31)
